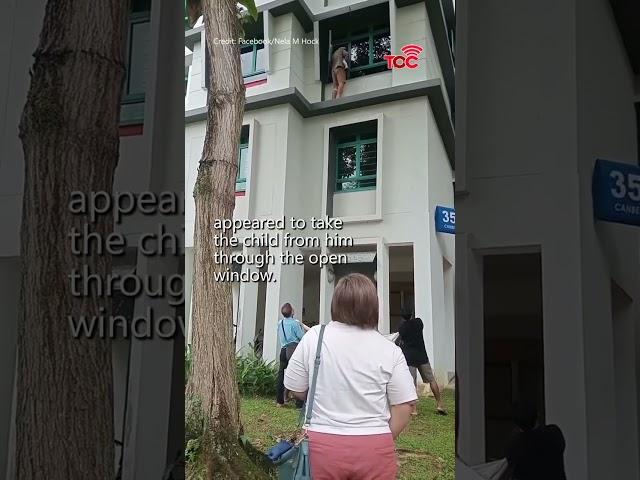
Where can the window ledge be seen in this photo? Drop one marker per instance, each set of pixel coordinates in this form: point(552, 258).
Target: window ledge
point(191, 37)
point(256, 77)
point(361, 219)
point(355, 190)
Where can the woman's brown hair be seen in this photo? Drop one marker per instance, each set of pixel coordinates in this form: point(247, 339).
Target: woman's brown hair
point(355, 301)
point(286, 310)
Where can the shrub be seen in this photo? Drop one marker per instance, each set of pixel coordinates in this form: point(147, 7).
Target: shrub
point(255, 376)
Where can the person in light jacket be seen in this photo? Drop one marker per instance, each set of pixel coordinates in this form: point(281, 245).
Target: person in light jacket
point(290, 332)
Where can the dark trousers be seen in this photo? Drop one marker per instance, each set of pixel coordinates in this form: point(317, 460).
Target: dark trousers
point(285, 355)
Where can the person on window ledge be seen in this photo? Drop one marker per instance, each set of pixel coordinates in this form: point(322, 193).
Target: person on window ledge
point(290, 332)
point(339, 67)
point(535, 452)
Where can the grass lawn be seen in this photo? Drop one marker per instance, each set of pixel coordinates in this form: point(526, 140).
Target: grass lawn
point(426, 447)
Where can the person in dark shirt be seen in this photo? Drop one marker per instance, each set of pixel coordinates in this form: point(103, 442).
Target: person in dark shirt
point(535, 452)
point(412, 344)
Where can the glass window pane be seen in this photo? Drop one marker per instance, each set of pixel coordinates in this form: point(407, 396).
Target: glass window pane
point(347, 186)
point(242, 163)
point(381, 47)
point(138, 58)
point(260, 58)
point(346, 162)
point(367, 183)
point(246, 60)
point(359, 53)
point(347, 139)
point(371, 135)
point(368, 159)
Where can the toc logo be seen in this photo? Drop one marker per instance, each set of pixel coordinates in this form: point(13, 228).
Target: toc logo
point(409, 59)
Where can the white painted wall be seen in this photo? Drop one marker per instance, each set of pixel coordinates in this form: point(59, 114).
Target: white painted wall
point(412, 27)
point(442, 256)
point(529, 131)
point(354, 204)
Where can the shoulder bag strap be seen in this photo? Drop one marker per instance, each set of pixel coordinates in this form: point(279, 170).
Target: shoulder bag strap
point(314, 381)
point(284, 335)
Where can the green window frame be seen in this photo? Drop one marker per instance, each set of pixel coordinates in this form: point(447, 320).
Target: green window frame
point(132, 104)
point(241, 176)
point(253, 49)
point(351, 38)
point(363, 175)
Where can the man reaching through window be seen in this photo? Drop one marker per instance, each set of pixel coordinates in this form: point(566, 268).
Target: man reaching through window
point(339, 67)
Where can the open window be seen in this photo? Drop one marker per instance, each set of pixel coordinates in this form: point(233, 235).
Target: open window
point(137, 58)
point(353, 171)
point(243, 160)
point(365, 34)
point(252, 48)
point(356, 154)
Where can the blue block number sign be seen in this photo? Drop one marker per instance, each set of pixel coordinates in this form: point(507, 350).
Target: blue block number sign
point(616, 192)
point(445, 220)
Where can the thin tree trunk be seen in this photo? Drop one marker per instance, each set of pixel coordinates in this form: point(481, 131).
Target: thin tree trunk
point(213, 378)
point(69, 132)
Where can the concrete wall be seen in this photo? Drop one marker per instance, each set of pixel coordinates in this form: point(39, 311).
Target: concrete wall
point(537, 108)
point(606, 128)
point(442, 256)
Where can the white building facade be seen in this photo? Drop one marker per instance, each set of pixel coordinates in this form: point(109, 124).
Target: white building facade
point(380, 159)
point(547, 304)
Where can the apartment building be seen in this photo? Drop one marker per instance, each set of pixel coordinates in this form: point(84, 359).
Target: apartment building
point(548, 285)
point(381, 158)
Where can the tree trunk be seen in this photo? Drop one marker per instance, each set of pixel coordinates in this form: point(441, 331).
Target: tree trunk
point(69, 132)
point(213, 378)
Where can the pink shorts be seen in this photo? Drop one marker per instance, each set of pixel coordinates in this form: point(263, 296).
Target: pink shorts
point(352, 457)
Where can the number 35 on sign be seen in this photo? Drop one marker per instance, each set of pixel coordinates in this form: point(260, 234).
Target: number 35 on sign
point(616, 192)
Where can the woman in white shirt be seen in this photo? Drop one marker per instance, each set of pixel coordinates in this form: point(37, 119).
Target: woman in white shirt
point(364, 392)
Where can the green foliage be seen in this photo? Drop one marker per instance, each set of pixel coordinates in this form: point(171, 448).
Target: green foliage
point(255, 376)
point(250, 5)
